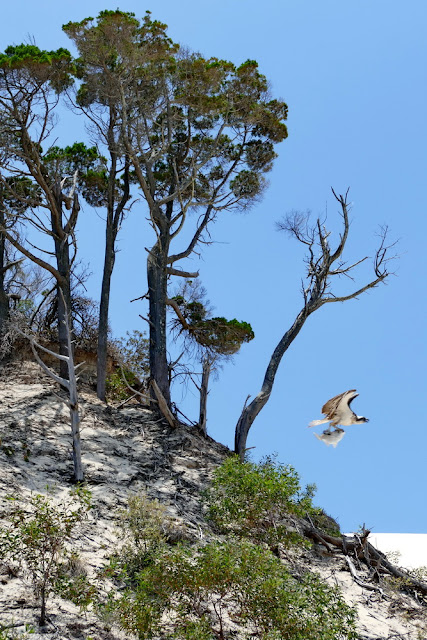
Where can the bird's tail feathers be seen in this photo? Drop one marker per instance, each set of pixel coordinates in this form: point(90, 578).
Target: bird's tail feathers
point(315, 423)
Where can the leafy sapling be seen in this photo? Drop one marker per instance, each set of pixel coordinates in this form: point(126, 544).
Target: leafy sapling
point(38, 536)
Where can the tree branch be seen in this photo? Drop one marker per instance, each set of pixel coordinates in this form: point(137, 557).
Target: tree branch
point(183, 274)
point(11, 264)
point(184, 254)
point(31, 256)
point(172, 303)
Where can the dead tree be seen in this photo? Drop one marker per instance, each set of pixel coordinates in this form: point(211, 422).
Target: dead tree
point(70, 385)
point(323, 264)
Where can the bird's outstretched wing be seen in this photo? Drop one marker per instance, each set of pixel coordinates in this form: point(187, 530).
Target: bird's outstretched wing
point(339, 404)
point(343, 414)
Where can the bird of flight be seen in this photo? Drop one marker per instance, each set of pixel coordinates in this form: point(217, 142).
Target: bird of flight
point(337, 411)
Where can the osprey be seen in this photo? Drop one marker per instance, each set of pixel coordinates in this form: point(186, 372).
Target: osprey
point(337, 411)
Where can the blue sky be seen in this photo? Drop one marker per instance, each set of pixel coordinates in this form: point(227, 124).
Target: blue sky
point(354, 77)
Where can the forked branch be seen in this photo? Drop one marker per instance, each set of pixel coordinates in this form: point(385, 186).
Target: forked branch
point(323, 263)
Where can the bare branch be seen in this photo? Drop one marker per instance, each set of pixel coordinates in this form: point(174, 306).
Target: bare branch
point(296, 224)
point(51, 353)
point(340, 271)
point(344, 208)
point(382, 256)
point(208, 216)
point(355, 294)
point(42, 263)
point(183, 274)
point(172, 303)
point(163, 405)
point(10, 265)
point(62, 381)
point(134, 391)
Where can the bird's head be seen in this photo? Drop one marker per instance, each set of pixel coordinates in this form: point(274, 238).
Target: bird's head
point(362, 419)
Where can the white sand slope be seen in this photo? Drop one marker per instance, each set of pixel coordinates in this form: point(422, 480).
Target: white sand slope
point(411, 547)
point(126, 451)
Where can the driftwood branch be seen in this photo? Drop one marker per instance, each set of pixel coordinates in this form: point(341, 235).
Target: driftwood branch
point(163, 405)
point(359, 581)
point(126, 400)
point(366, 552)
point(134, 391)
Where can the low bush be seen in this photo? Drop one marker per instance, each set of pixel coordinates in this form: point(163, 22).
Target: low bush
point(203, 591)
point(201, 594)
point(258, 500)
point(116, 387)
point(132, 354)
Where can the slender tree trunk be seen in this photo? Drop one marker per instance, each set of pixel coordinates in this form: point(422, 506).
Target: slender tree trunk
point(101, 373)
point(251, 411)
point(70, 385)
point(4, 298)
point(64, 301)
point(4, 309)
point(204, 391)
point(74, 409)
point(157, 296)
point(114, 217)
point(42, 620)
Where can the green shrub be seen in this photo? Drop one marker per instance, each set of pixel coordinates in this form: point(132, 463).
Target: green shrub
point(199, 592)
point(73, 583)
point(36, 537)
point(190, 593)
point(321, 520)
point(146, 530)
point(258, 500)
point(132, 353)
point(116, 387)
point(15, 634)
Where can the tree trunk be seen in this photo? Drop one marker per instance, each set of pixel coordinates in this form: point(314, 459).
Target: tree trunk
point(64, 301)
point(157, 296)
point(4, 298)
point(204, 391)
point(251, 411)
point(70, 385)
point(42, 619)
point(4, 309)
point(114, 217)
point(74, 411)
point(101, 372)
